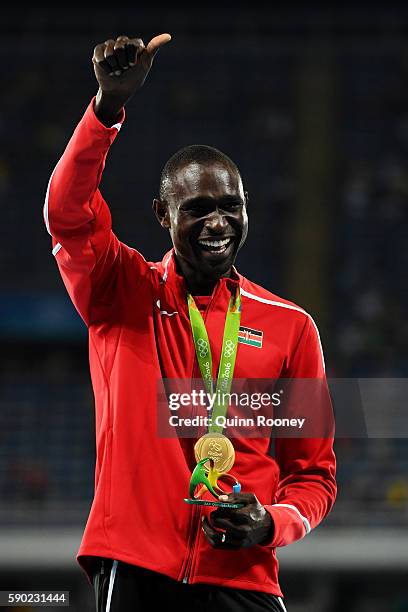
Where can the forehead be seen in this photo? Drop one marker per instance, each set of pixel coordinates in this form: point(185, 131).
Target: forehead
point(209, 180)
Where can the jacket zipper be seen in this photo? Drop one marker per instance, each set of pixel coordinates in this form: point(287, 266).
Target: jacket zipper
point(196, 518)
point(195, 524)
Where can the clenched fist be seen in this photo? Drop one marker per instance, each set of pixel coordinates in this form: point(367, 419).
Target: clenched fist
point(121, 67)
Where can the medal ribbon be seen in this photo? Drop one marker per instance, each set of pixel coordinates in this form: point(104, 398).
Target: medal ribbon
point(228, 354)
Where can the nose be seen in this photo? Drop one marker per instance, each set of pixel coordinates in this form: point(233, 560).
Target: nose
point(216, 222)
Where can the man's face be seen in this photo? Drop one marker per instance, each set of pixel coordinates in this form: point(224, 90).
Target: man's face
point(208, 220)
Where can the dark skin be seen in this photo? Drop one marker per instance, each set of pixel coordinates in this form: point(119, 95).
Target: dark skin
point(205, 204)
point(205, 212)
point(243, 527)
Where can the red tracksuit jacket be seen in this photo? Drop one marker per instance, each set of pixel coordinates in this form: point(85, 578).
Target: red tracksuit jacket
point(137, 514)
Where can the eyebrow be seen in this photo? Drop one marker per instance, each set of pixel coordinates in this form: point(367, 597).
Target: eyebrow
point(223, 200)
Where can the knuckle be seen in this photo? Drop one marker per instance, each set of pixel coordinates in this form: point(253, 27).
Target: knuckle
point(136, 42)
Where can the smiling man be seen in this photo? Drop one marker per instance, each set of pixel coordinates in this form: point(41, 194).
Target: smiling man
point(149, 321)
point(201, 183)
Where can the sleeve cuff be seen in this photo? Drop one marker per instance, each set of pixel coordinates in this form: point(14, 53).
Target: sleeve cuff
point(116, 126)
point(289, 525)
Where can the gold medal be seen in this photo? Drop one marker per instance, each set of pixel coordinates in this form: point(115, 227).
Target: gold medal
point(217, 447)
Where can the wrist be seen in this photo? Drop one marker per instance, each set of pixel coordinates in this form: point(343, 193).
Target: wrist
point(108, 108)
point(269, 529)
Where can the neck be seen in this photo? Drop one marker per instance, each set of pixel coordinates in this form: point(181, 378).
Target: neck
point(197, 282)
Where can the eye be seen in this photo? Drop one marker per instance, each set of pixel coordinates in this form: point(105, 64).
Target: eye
point(197, 210)
point(232, 205)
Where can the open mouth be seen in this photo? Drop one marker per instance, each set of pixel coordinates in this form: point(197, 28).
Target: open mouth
point(215, 246)
point(211, 245)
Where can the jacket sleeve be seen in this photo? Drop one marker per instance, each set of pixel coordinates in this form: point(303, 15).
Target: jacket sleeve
point(307, 485)
point(77, 217)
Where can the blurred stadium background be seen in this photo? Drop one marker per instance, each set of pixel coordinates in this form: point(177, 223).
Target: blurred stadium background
point(313, 106)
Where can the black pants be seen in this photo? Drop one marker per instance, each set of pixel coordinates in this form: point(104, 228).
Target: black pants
point(120, 587)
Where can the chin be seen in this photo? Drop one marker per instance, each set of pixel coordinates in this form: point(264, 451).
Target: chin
point(216, 268)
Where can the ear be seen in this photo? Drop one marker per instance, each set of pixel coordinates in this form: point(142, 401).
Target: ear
point(246, 199)
point(161, 210)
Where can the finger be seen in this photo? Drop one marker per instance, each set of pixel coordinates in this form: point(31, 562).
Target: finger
point(157, 42)
point(219, 539)
point(239, 498)
point(134, 47)
point(236, 515)
point(232, 543)
point(110, 57)
point(98, 58)
point(98, 55)
point(212, 535)
point(123, 39)
point(238, 531)
point(228, 522)
point(120, 53)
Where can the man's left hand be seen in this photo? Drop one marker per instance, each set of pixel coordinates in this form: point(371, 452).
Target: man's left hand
point(241, 527)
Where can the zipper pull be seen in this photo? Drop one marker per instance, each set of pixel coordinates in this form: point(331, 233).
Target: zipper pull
point(102, 567)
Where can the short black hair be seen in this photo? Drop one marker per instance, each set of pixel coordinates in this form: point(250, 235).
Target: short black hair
point(196, 153)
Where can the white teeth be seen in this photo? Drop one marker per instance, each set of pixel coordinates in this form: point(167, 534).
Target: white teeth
point(214, 243)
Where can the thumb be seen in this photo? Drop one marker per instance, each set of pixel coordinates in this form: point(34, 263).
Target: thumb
point(157, 42)
point(238, 498)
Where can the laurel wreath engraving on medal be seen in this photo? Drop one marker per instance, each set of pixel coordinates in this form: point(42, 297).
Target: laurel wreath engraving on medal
point(202, 346)
point(214, 446)
point(215, 451)
point(229, 348)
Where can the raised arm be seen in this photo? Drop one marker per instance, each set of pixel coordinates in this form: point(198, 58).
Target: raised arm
point(75, 213)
